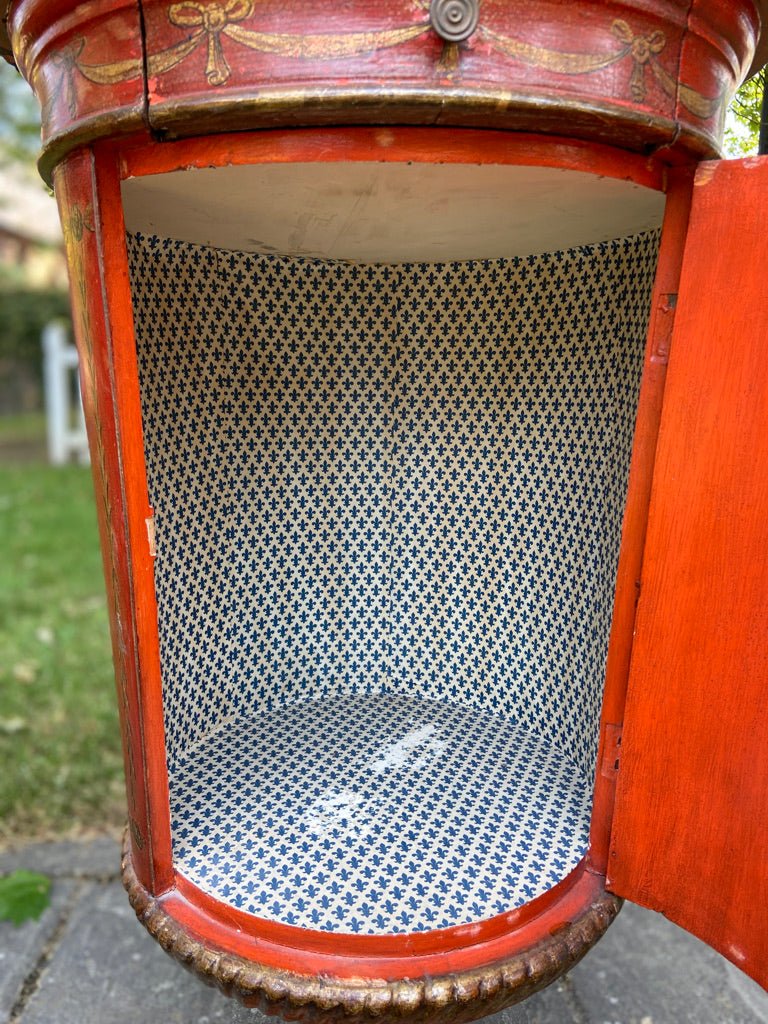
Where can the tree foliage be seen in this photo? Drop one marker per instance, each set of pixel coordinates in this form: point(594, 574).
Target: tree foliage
point(19, 117)
point(742, 129)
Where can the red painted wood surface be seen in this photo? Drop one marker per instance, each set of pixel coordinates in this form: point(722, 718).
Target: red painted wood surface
point(641, 74)
point(388, 145)
point(439, 941)
point(79, 210)
point(85, 232)
point(690, 832)
point(390, 957)
point(714, 60)
point(654, 377)
point(604, 50)
point(151, 761)
point(85, 65)
point(608, 71)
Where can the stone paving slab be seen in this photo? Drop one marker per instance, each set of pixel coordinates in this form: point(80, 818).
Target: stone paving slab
point(96, 858)
point(108, 970)
point(646, 970)
point(105, 969)
point(22, 947)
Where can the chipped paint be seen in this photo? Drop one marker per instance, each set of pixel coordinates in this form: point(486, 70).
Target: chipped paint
point(705, 172)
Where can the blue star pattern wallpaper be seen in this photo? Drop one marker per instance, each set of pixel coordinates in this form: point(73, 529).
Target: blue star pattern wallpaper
point(402, 484)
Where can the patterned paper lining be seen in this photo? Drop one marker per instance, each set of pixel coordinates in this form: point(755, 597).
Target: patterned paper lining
point(400, 479)
point(377, 815)
point(387, 498)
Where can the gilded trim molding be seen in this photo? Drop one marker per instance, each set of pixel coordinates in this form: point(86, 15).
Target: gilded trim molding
point(211, 23)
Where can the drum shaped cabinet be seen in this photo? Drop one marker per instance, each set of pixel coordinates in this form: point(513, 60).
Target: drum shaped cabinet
point(422, 350)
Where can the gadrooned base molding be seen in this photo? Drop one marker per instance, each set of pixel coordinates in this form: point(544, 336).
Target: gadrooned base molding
point(455, 997)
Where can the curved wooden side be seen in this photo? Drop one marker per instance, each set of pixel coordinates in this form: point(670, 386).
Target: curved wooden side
point(85, 65)
point(650, 75)
point(334, 988)
point(87, 190)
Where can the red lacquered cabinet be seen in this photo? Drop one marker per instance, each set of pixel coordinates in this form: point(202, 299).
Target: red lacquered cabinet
point(421, 351)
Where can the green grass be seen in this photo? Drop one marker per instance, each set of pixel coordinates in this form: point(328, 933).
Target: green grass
point(60, 765)
point(23, 426)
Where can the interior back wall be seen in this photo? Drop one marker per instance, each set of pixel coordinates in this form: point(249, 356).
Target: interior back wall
point(403, 479)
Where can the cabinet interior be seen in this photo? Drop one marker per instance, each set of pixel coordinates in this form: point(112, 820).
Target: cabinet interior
point(388, 412)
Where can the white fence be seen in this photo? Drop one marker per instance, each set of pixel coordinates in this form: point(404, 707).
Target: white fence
point(65, 422)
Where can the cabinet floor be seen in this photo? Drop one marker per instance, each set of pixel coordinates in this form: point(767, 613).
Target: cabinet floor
point(376, 815)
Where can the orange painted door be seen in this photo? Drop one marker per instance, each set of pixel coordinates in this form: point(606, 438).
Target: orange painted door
point(690, 830)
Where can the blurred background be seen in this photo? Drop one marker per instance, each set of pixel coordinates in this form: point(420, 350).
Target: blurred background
point(60, 763)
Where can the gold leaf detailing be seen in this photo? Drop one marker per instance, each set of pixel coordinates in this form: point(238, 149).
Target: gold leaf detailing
point(78, 223)
point(665, 80)
point(554, 60)
point(66, 61)
point(136, 832)
point(700, 106)
point(164, 60)
point(449, 59)
point(643, 50)
point(111, 74)
point(211, 19)
point(693, 101)
point(324, 46)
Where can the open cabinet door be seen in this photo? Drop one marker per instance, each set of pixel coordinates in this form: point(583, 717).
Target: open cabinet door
point(690, 829)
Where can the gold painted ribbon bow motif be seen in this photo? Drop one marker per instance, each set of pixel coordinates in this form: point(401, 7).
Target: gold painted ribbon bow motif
point(643, 50)
point(210, 20)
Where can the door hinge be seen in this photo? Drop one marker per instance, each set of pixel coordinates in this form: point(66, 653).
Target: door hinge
point(609, 764)
point(662, 328)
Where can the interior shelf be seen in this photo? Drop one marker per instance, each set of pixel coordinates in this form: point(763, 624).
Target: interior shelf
point(377, 815)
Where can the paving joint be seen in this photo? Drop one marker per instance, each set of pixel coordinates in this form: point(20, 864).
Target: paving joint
point(574, 1003)
point(89, 961)
point(32, 980)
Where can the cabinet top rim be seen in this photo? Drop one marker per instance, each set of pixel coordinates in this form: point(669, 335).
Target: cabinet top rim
point(760, 57)
point(641, 75)
point(761, 53)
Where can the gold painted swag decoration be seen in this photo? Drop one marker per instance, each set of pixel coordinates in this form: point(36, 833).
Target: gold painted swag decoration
point(209, 24)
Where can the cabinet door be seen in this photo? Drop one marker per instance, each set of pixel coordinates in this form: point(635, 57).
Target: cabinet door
point(690, 829)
